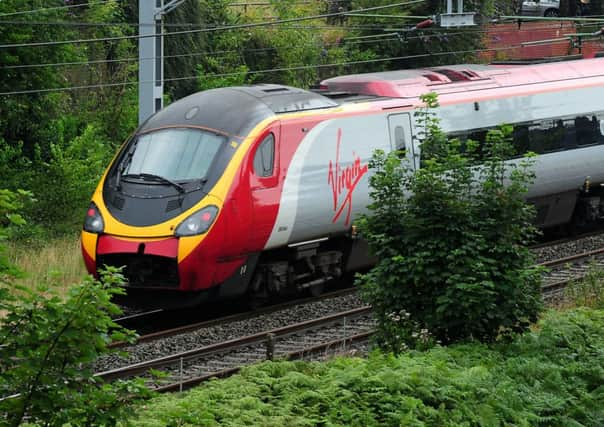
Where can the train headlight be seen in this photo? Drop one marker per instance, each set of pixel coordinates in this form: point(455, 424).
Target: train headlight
point(94, 221)
point(198, 222)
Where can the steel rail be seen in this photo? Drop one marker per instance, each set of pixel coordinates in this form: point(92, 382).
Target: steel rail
point(567, 270)
point(124, 320)
point(298, 354)
point(572, 258)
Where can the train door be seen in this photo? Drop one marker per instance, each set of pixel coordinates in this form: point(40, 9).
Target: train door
point(265, 185)
point(401, 137)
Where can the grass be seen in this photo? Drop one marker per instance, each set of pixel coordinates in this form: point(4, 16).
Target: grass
point(58, 261)
point(587, 291)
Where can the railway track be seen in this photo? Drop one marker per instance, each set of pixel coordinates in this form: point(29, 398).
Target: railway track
point(325, 335)
point(186, 369)
point(151, 316)
point(565, 270)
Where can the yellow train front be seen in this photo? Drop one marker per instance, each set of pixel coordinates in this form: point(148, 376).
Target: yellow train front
point(172, 208)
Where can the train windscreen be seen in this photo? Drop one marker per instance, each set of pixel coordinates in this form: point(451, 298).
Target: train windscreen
point(175, 154)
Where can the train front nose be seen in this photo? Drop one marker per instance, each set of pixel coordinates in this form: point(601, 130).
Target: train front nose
point(151, 263)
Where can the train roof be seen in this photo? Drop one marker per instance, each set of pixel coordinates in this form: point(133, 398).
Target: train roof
point(236, 110)
point(459, 78)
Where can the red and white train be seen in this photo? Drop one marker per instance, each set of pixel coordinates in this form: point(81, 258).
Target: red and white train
point(255, 190)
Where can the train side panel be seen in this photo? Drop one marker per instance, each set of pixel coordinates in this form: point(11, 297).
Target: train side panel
point(562, 172)
point(327, 182)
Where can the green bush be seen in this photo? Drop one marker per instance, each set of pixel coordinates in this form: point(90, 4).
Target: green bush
point(48, 345)
point(451, 241)
point(63, 181)
point(551, 377)
point(10, 219)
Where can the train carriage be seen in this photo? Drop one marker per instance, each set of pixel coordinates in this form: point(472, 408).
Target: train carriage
point(255, 190)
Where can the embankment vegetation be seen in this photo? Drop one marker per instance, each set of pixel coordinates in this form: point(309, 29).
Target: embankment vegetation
point(552, 376)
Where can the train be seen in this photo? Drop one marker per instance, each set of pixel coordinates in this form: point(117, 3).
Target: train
point(253, 191)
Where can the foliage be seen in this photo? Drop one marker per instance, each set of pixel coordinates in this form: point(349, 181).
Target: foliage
point(25, 117)
point(411, 47)
point(119, 112)
point(10, 204)
point(222, 65)
point(184, 51)
point(551, 377)
point(450, 239)
point(48, 346)
point(298, 54)
point(64, 182)
point(42, 144)
point(58, 260)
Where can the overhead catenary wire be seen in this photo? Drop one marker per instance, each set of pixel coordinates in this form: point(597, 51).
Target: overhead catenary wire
point(172, 24)
point(100, 2)
point(271, 70)
point(344, 42)
point(591, 19)
point(204, 30)
point(47, 9)
point(397, 35)
point(165, 24)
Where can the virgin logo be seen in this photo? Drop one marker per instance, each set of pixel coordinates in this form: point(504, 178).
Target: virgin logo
point(343, 181)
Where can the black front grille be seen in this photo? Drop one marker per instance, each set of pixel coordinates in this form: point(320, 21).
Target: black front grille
point(173, 204)
point(149, 271)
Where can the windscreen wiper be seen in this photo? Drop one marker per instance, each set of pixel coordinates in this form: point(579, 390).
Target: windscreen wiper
point(153, 177)
point(125, 163)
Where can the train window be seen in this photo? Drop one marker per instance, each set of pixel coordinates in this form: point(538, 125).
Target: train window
point(547, 135)
point(399, 138)
point(550, 135)
point(520, 138)
point(264, 158)
point(176, 154)
point(588, 130)
point(478, 136)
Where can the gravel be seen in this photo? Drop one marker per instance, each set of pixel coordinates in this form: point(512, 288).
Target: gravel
point(561, 250)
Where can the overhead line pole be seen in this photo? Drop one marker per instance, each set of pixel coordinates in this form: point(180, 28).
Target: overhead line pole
point(150, 59)
point(151, 55)
point(456, 18)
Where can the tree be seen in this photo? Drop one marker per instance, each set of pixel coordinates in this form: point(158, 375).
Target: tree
point(27, 117)
point(450, 239)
